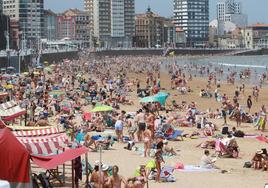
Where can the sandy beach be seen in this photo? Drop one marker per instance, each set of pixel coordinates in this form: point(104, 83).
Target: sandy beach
point(231, 173)
point(236, 177)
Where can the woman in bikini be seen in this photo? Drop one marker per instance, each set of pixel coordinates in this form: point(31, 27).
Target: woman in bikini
point(150, 123)
point(147, 135)
point(159, 159)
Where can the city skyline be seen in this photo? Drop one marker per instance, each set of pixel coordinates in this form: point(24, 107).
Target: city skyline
point(165, 8)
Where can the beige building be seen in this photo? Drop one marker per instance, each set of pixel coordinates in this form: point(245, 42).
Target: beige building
point(255, 36)
point(149, 30)
point(82, 25)
point(232, 39)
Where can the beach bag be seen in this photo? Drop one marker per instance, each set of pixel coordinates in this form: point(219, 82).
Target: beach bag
point(198, 125)
point(247, 164)
point(225, 130)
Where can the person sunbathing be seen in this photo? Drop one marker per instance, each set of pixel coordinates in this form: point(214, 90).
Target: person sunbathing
point(168, 150)
point(42, 123)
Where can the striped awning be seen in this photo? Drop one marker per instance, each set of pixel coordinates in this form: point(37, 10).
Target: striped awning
point(45, 148)
point(45, 145)
point(40, 132)
point(49, 138)
point(7, 105)
point(11, 113)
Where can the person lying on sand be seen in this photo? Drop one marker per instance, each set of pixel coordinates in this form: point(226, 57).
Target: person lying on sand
point(42, 123)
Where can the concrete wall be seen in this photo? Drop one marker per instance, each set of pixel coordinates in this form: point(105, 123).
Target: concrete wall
point(50, 58)
point(160, 52)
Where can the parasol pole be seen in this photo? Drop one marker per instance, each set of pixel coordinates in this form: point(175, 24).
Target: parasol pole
point(100, 148)
point(72, 173)
point(86, 156)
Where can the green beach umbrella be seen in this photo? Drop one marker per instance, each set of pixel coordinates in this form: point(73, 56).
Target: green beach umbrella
point(161, 98)
point(102, 108)
point(148, 99)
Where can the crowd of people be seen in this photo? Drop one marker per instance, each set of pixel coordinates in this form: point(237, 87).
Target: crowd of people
point(62, 94)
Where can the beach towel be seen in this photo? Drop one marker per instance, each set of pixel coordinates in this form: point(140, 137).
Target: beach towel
point(175, 135)
point(193, 168)
point(80, 137)
point(262, 139)
point(87, 116)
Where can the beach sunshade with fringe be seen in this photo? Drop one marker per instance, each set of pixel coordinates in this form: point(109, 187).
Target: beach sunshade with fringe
point(9, 86)
point(57, 92)
point(102, 108)
point(48, 69)
point(36, 73)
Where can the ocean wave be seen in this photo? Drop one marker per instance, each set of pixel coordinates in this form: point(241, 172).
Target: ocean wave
point(242, 65)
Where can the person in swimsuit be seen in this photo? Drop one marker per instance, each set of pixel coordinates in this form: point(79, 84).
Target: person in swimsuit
point(150, 122)
point(119, 125)
point(147, 135)
point(140, 120)
point(159, 159)
point(116, 179)
point(138, 181)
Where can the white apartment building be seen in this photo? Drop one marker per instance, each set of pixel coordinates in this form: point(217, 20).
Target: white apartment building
point(113, 21)
point(230, 10)
point(192, 16)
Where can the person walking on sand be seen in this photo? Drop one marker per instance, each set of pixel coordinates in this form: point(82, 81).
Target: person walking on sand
point(140, 120)
point(159, 159)
point(249, 103)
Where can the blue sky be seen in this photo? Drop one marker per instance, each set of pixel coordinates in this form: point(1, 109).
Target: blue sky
point(256, 9)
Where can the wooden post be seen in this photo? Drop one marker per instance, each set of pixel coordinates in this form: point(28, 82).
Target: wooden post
point(86, 157)
point(72, 173)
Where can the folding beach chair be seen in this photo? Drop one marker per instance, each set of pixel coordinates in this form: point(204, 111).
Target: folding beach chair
point(54, 174)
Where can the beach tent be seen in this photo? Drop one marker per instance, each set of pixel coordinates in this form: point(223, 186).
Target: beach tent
point(14, 160)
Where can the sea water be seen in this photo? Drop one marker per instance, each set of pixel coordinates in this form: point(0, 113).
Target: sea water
point(256, 64)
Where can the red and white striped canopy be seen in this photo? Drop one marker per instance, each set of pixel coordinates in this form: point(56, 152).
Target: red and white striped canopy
point(39, 132)
point(49, 138)
point(7, 105)
point(44, 148)
point(45, 145)
point(11, 113)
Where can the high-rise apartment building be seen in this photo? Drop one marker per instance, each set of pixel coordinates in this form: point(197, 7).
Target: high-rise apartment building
point(192, 16)
point(1, 6)
point(230, 10)
point(113, 21)
point(29, 15)
point(88, 6)
point(50, 25)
